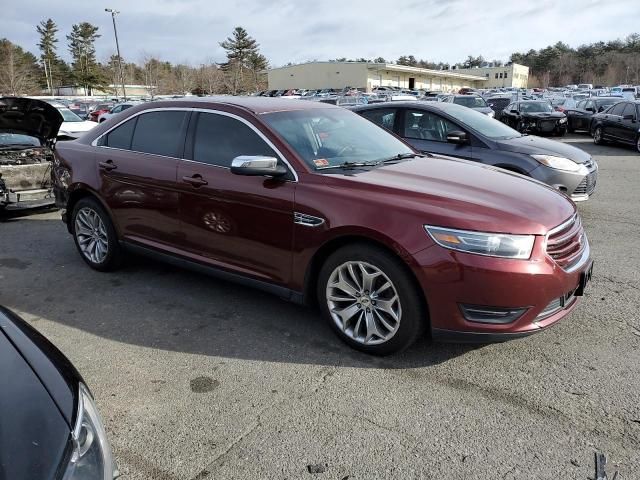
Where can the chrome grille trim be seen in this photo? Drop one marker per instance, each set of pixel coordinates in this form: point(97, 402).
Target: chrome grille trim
point(567, 242)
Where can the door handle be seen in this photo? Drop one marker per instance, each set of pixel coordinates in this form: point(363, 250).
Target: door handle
point(108, 165)
point(195, 180)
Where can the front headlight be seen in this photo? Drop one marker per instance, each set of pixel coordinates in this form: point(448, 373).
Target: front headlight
point(491, 114)
point(490, 244)
point(563, 120)
point(91, 457)
point(559, 163)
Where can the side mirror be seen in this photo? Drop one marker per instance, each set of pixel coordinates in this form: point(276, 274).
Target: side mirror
point(257, 165)
point(514, 111)
point(601, 109)
point(590, 109)
point(457, 137)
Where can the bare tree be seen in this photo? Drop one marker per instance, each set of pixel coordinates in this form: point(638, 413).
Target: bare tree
point(18, 70)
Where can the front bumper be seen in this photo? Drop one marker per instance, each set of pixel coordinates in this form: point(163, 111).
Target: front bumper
point(451, 279)
point(577, 186)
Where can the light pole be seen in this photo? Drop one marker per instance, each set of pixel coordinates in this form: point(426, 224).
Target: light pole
point(115, 32)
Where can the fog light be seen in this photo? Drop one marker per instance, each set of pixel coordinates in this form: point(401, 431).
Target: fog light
point(495, 315)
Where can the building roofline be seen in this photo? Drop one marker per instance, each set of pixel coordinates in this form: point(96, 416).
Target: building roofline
point(393, 67)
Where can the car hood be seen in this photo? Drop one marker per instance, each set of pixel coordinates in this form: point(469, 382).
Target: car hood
point(74, 129)
point(533, 145)
point(34, 431)
point(553, 115)
point(461, 194)
point(29, 117)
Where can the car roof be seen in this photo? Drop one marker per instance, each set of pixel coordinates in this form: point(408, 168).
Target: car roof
point(442, 106)
point(255, 105)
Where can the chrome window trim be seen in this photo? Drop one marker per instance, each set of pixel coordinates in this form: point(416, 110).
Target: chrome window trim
point(94, 143)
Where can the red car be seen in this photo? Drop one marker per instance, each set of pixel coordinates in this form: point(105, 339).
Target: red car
point(318, 205)
point(99, 110)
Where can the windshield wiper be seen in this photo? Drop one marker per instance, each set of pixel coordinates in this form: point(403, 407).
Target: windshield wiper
point(401, 156)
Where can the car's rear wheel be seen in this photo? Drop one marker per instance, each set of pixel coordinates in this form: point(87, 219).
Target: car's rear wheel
point(370, 300)
point(638, 144)
point(95, 236)
point(597, 136)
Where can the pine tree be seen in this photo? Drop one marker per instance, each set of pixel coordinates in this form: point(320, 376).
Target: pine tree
point(86, 71)
point(240, 48)
point(47, 30)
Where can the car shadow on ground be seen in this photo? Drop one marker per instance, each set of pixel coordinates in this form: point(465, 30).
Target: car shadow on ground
point(155, 305)
point(585, 142)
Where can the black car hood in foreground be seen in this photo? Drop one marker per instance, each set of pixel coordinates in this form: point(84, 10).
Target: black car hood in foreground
point(38, 396)
point(29, 117)
point(532, 145)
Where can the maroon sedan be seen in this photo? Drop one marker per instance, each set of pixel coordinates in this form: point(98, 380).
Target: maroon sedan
point(316, 204)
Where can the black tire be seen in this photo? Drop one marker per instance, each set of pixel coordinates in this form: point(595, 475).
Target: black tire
point(597, 136)
point(114, 255)
point(571, 129)
point(638, 144)
point(413, 317)
point(562, 132)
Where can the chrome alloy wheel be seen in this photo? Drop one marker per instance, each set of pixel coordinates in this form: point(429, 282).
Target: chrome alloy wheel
point(364, 303)
point(91, 235)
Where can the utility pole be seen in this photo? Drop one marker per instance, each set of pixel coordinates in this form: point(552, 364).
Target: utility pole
point(115, 32)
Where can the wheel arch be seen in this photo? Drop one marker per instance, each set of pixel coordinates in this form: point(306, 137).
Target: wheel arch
point(341, 240)
point(79, 192)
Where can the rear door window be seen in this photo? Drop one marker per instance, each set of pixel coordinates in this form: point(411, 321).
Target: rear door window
point(385, 117)
point(160, 133)
point(423, 125)
point(630, 109)
point(121, 136)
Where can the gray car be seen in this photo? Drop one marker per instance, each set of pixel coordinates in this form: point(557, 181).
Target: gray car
point(450, 129)
point(474, 102)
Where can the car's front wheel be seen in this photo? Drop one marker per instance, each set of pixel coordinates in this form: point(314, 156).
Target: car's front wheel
point(95, 235)
point(597, 136)
point(370, 300)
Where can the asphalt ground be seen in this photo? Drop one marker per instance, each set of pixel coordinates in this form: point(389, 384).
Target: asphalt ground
point(201, 379)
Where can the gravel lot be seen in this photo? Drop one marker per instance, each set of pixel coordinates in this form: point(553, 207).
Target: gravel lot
point(201, 379)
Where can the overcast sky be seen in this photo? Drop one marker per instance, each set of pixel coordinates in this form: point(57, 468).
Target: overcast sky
point(299, 30)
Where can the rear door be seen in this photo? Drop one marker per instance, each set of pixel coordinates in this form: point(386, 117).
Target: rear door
point(239, 223)
point(628, 126)
point(137, 163)
point(427, 132)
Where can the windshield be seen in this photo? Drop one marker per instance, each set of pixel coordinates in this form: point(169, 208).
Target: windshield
point(470, 101)
point(605, 102)
point(329, 137)
point(18, 139)
point(483, 124)
point(69, 116)
point(535, 107)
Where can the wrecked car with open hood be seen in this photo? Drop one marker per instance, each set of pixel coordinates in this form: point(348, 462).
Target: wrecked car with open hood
point(28, 131)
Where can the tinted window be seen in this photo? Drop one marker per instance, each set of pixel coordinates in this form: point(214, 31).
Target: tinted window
point(630, 109)
point(470, 101)
point(617, 109)
point(159, 133)
point(424, 125)
point(219, 139)
point(120, 137)
point(381, 116)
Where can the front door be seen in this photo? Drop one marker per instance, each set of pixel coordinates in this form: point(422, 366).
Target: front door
point(136, 163)
point(427, 132)
point(240, 223)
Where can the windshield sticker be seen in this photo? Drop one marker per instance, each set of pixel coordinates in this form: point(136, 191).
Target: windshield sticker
point(321, 162)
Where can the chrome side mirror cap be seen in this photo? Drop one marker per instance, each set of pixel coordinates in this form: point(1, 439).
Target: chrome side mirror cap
point(257, 165)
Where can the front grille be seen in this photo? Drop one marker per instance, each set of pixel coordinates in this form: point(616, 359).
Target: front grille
point(546, 125)
point(588, 184)
point(566, 242)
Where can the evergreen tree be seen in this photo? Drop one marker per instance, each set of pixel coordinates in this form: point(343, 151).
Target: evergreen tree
point(240, 47)
point(18, 70)
point(47, 45)
point(86, 71)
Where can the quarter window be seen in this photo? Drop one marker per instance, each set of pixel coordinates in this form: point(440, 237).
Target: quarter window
point(630, 109)
point(219, 139)
point(423, 125)
point(159, 133)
